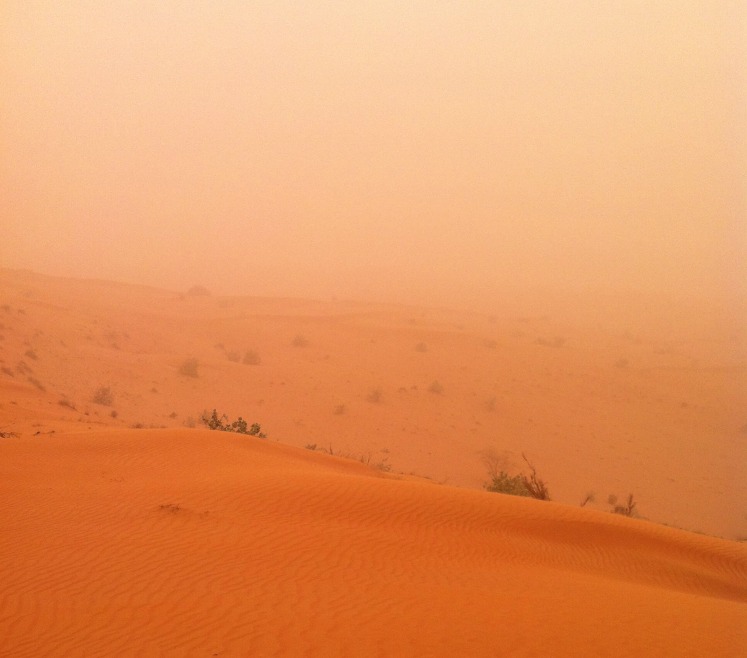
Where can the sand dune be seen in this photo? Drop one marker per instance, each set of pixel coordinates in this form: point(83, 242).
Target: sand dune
point(179, 542)
point(610, 398)
point(126, 533)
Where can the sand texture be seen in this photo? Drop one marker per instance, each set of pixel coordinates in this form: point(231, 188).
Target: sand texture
point(124, 531)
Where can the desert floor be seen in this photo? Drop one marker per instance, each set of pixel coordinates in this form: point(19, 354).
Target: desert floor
point(127, 528)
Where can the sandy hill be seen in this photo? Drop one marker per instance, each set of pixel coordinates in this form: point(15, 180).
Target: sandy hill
point(129, 530)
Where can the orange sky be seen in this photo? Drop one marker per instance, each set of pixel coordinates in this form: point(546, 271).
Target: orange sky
point(422, 151)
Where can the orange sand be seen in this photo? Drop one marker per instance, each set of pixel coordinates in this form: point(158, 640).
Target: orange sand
point(178, 541)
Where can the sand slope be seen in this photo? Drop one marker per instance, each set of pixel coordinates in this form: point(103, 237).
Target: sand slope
point(126, 532)
point(186, 542)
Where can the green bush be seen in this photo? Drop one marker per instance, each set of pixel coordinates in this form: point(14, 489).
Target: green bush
point(518, 485)
point(513, 485)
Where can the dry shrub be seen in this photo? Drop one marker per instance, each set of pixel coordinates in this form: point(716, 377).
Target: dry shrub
point(531, 486)
point(104, 396)
point(436, 388)
point(188, 368)
point(374, 396)
point(251, 358)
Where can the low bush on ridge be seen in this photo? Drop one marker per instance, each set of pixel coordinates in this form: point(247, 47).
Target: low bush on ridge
point(522, 484)
point(239, 426)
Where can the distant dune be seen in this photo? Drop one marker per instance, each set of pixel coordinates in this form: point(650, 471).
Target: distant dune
point(128, 529)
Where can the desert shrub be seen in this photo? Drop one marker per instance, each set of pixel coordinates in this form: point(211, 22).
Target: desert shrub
point(436, 388)
point(374, 396)
point(251, 358)
point(513, 485)
point(626, 509)
point(8, 371)
point(64, 402)
point(516, 485)
point(114, 413)
point(239, 426)
point(31, 354)
point(104, 396)
point(421, 347)
point(339, 410)
point(188, 368)
point(299, 341)
point(233, 356)
point(37, 383)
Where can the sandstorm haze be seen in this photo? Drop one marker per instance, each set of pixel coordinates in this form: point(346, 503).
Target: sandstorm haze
point(428, 152)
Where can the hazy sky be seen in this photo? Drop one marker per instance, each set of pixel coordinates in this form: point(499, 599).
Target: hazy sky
point(376, 149)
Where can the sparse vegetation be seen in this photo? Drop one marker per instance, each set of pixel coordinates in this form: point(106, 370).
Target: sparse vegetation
point(37, 383)
point(64, 402)
point(626, 509)
point(436, 388)
point(103, 396)
point(239, 426)
point(31, 354)
point(188, 367)
point(421, 347)
point(515, 485)
point(339, 410)
point(233, 356)
point(367, 458)
point(299, 341)
point(251, 358)
point(374, 396)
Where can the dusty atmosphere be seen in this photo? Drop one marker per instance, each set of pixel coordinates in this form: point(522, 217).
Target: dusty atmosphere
point(405, 253)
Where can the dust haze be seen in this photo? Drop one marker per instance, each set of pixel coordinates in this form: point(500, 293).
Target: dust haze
point(435, 152)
